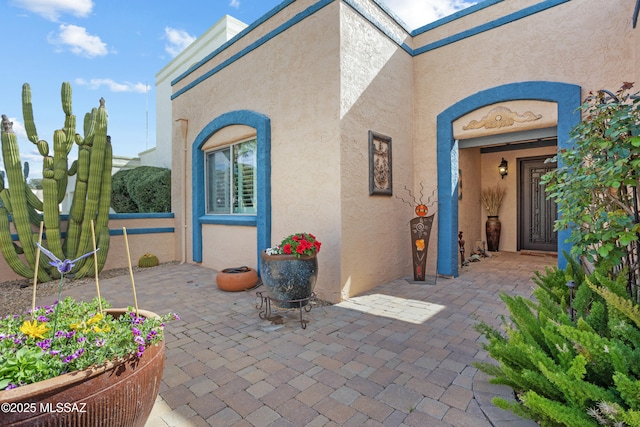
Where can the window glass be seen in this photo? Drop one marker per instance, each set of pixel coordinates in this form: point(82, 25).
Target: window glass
point(231, 179)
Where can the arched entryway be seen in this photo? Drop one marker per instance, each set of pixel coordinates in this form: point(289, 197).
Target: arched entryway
point(566, 96)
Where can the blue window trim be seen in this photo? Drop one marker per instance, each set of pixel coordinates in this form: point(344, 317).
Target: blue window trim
point(567, 96)
point(262, 220)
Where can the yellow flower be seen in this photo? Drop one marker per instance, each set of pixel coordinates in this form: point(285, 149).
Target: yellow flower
point(99, 329)
point(95, 319)
point(33, 329)
point(420, 244)
point(78, 325)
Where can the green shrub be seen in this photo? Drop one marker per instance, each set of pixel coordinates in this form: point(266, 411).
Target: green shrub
point(566, 372)
point(142, 189)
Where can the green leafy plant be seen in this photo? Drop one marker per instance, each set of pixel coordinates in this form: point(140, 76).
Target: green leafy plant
point(564, 371)
point(594, 182)
point(68, 336)
point(298, 245)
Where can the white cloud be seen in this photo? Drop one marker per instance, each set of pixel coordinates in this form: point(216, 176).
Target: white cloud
point(234, 3)
point(79, 41)
point(52, 9)
point(178, 40)
point(113, 86)
point(418, 13)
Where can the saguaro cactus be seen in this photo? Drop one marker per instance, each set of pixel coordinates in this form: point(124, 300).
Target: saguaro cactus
point(91, 197)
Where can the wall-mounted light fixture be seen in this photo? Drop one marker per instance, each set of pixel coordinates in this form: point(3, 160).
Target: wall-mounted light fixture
point(503, 168)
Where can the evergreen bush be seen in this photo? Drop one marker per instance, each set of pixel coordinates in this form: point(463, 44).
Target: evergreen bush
point(142, 189)
point(564, 372)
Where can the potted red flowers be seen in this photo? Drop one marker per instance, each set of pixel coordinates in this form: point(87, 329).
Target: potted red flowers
point(290, 269)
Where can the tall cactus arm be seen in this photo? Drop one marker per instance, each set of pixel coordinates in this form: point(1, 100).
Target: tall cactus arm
point(8, 249)
point(52, 217)
point(32, 199)
point(60, 163)
point(18, 198)
point(77, 205)
point(97, 161)
point(103, 243)
point(27, 114)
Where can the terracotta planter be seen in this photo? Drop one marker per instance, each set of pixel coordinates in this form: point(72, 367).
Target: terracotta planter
point(120, 393)
point(236, 279)
point(289, 279)
point(493, 228)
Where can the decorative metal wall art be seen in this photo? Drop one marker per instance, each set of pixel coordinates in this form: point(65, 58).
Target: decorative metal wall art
point(380, 173)
point(420, 227)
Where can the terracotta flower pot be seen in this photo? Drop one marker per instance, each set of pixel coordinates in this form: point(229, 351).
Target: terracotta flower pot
point(289, 278)
point(237, 279)
point(117, 393)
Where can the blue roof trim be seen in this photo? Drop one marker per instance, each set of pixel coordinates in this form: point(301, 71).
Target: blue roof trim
point(253, 46)
point(531, 10)
point(507, 19)
point(262, 220)
point(234, 39)
point(567, 96)
point(457, 15)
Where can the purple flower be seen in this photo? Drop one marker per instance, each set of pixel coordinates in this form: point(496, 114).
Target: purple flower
point(151, 335)
point(10, 386)
point(73, 356)
point(43, 319)
point(139, 340)
point(100, 342)
point(140, 351)
point(135, 331)
point(44, 344)
point(176, 317)
point(82, 339)
point(135, 319)
point(62, 266)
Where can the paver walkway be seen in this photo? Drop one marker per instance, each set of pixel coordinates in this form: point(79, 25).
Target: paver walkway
point(400, 355)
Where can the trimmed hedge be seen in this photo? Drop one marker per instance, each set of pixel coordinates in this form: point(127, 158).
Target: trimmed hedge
point(141, 190)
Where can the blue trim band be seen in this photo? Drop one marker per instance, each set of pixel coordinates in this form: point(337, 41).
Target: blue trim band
point(116, 232)
point(247, 220)
point(531, 10)
point(234, 39)
point(150, 230)
point(457, 15)
point(567, 97)
point(253, 46)
point(262, 220)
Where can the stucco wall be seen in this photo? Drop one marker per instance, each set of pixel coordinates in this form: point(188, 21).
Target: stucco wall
point(578, 42)
point(376, 95)
point(293, 79)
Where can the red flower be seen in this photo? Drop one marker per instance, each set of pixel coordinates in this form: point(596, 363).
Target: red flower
point(286, 249)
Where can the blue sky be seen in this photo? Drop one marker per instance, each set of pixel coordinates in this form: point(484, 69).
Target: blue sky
point(113, 49)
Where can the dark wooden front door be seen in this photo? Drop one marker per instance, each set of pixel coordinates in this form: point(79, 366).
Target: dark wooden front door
point(537, 214)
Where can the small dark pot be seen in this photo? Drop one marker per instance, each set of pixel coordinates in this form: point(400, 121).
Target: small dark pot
point(289, 279)
point(493, 228)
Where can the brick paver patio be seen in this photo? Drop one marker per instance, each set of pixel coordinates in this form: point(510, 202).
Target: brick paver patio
point(400, 355)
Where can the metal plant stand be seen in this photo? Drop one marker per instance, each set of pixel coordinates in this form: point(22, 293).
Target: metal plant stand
point(267, 314)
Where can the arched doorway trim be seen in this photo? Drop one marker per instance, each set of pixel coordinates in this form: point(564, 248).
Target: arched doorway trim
point(567, 97)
